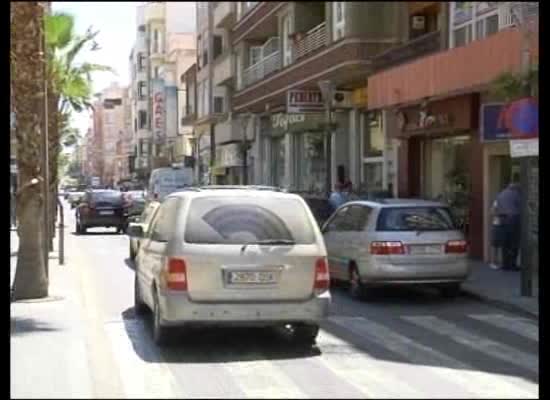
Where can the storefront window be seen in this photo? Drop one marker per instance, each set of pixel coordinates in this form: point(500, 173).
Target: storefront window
point(446, 172)
point(373, 176)
point(278, 160)
point(373, 143)
point(311, 165)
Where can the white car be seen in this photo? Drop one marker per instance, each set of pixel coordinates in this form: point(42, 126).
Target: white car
point(396, 242)
point(233, 256)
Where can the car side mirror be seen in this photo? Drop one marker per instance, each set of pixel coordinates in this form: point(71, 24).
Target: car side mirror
point(135, 231)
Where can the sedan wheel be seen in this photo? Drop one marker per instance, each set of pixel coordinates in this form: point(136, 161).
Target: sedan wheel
point(356, 288)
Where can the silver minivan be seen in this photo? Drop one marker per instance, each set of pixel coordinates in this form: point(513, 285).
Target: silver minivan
point(395, 242)
point(233, 256)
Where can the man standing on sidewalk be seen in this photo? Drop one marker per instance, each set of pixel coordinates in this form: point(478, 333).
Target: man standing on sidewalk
point(508, 205)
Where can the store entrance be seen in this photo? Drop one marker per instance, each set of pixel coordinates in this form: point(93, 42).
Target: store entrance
point(501, 170)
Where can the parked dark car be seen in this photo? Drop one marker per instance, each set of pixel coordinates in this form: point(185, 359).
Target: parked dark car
point(102, 208)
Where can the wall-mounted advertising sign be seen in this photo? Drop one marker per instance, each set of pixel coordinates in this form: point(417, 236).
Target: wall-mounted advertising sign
point(517, 120)
point(158, 122)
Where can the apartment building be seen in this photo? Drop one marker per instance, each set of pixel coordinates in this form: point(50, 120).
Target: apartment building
point(277, 55)
point(153, 61)
point(438, 110)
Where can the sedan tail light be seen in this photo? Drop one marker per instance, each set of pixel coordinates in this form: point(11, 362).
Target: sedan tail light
point(322, 277)
point(456, 246)
point(387, 248)
point(176, 274)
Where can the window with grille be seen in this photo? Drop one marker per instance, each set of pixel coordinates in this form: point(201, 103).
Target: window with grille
point(218, 46)
point(142, 119)
point(218, 104)
point(142, 90)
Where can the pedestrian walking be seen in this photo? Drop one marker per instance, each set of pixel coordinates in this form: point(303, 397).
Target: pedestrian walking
point(508, 207)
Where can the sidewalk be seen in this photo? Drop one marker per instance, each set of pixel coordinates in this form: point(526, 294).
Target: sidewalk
point(501, 288)
point(48, 342)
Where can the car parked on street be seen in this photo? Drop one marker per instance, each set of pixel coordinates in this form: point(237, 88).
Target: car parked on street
point(395, 242)
point(144, 220)
point(233, 256)
point(101, 208)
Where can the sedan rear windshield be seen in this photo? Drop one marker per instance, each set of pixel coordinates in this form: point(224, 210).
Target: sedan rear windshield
point(240, 220)
point(111, 197)
point(415, 219)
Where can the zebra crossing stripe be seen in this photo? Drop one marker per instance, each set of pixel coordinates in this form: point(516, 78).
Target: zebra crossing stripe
point(484, 345)
point(140, 378)
point(372, 377)
point(262, 379)
point(519, 326)
point(463, 380)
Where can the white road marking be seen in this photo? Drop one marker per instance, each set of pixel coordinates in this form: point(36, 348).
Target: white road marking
point(260, 378)
point(140, 378)
point(519, 326)
point(463, 379)
point(374, 378)
point(484, 345)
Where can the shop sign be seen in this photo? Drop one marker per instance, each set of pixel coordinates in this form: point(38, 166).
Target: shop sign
point(518, 120)
point(300, 101)
point(158, 110)
point(424, 120)
point(284, 120)
point(524, 148)
point(293, 123)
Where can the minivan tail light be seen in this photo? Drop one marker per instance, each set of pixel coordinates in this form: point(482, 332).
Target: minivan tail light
point(322, 277)
point(176, 274)
point(386, 248)
point(456, 246)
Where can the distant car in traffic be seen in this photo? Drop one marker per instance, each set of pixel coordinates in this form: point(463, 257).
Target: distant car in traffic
point(144, 220)
point(136, 201)
point(233, 256)
point(101, 208)
point(395, 242)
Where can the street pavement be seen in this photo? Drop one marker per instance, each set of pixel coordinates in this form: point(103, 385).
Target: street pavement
point(405, 344)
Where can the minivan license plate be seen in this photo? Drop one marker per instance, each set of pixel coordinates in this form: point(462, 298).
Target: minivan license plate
point(251, 277)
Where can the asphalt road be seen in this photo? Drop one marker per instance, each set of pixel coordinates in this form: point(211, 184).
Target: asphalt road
point(406, 344)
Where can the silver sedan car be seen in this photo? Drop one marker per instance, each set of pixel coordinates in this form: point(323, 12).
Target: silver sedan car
point(237, 256)
point(396, 242)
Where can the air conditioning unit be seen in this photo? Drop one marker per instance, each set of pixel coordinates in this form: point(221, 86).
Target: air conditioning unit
point(342, 99)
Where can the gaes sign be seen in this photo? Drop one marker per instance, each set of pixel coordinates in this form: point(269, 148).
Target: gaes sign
point(158, 110)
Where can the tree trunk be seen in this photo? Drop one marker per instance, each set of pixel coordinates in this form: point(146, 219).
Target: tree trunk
point(53, 152)
point(26, 37)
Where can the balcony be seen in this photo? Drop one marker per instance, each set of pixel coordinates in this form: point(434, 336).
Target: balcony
point(413, 49)
point(154, 11)
point(224, 14)
point(314, 39)
point(223, 69)
point(270, 62)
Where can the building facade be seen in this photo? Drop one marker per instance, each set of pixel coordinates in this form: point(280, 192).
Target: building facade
point(445, 122)
point(158, 52)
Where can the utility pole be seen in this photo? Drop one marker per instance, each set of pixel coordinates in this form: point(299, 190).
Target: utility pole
point(526, 259)
point(327, 90)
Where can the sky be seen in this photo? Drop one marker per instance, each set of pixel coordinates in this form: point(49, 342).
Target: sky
point(116, 22)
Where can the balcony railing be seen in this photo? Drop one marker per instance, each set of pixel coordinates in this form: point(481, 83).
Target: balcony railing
point(421, 46)
point(314, 39)
point(264, 67)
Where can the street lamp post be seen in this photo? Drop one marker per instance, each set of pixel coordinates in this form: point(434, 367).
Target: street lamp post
point(327, 90)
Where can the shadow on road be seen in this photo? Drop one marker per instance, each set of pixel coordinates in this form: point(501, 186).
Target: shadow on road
point(212, 345)
point(21, 326)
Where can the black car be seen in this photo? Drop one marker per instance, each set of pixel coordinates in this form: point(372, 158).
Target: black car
point(102, 208)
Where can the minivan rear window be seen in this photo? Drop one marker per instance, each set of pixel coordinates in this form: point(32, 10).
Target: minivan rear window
point(239, 220)
point(415, 219)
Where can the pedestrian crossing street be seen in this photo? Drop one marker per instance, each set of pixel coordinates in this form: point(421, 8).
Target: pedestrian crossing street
point(357, 357)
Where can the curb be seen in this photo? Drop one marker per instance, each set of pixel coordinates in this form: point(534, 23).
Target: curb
point(501, 304)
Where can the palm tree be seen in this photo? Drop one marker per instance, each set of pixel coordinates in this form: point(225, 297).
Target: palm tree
point(27, 80)
point(69, 86)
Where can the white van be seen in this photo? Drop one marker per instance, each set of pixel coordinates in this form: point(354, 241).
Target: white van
point(164, 181)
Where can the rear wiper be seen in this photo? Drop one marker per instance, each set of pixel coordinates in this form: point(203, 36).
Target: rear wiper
point(269, 241)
